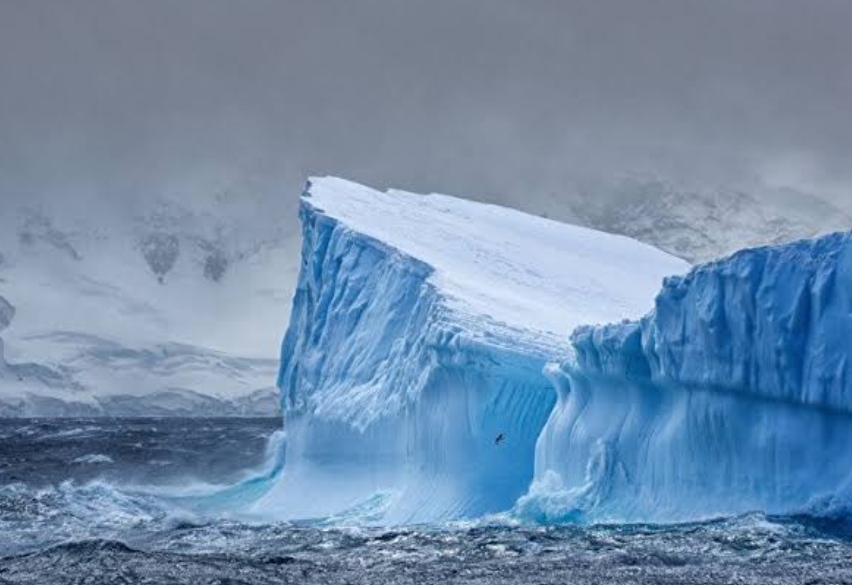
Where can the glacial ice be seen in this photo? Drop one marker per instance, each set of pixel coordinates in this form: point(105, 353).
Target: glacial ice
point(412, 370)
point(734, 394)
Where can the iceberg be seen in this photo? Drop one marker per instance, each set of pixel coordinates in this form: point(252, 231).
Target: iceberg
point(733, 394)
point(412, 374)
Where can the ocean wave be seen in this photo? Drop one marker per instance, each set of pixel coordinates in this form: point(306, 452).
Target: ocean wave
point(93, 458)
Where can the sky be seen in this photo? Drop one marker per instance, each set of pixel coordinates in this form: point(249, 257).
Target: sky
point(499, 99)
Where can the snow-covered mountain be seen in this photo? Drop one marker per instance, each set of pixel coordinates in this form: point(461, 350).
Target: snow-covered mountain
point(168, 309)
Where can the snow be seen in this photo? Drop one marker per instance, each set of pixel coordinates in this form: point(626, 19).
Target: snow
point(542, 266)
point(419, 332)
point(733, 395)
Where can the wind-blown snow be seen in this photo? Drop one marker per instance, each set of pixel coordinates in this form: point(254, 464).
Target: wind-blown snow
point(412, 370)
point(734, 394)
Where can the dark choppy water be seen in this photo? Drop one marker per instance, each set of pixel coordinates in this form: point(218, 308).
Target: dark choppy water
point(93, 502)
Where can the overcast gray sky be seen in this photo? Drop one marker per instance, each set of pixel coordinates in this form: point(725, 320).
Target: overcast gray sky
point(497, 98)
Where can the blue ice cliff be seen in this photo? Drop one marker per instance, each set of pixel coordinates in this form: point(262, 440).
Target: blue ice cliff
point(734, 394)
point(412, 370)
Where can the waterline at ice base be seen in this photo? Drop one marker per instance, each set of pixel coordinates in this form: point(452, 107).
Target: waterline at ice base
point(449, 360)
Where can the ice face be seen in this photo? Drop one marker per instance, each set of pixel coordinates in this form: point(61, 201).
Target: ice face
point(412, 370)
point(733, 395)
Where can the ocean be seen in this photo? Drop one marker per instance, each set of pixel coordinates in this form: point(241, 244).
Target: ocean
point(147, 501)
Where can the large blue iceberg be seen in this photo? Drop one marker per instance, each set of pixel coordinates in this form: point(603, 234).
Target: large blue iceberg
point(427, 373)
point(412, 370)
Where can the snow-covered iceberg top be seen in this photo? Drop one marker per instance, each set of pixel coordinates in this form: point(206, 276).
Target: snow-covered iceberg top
point(412, 369)
point(499, 267)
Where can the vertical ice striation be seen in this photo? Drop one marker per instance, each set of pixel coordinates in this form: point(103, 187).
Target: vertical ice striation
point(412, 370)
point(733, 394)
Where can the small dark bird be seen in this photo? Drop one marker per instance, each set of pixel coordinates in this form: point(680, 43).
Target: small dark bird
point(499, 439)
